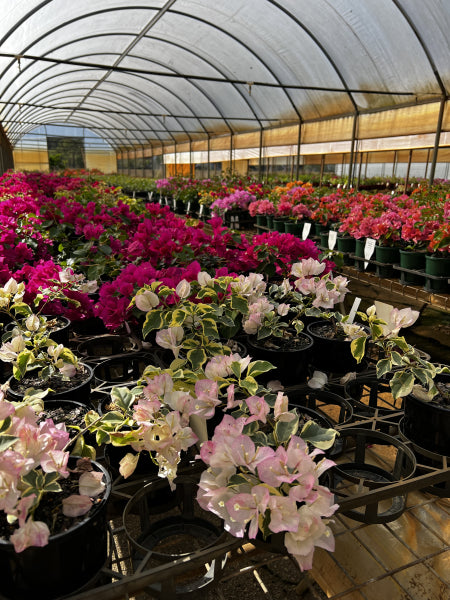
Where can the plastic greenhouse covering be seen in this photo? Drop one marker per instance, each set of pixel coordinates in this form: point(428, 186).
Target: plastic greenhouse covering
point(153, 72)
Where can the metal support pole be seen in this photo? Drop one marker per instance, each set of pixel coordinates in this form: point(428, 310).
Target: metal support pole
point(231, 153)
point(163, 163)
point(352, 151)
point(322, 165)
point(437, 140)
point(408, 168)
point(175, 159)
point(394, 163)
point(191, 166)
point(359, 170)
point(299, 141)
point(209, 156)
point(261, 133)
point(427, 163)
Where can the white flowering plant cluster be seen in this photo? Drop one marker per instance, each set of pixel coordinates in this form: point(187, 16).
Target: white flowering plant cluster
point(27, 344)
point(194, 317)
point(399, 360)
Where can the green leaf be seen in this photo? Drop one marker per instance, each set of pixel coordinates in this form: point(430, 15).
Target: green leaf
point(239, 303)
point(122, 397)
point(237, 479)
point(401, 343)
point(318, 436)
point(396, 358)
point(209, 328)
point(94, 272)
point(260, 438)
point(258, 367)
point(376, 331)
point(236, 368)
point(383, 367)
point(285, 429)
point(105, 250)
point(422, 376)
point(24, 359)
point(82, 449)
point(6, 441)
point(358, 348)
point(250, 384)
point(401, 384)
point(178, 317)
point(153, 320)
point(197, 358)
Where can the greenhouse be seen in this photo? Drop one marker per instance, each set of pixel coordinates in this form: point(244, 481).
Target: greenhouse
point(225, 299)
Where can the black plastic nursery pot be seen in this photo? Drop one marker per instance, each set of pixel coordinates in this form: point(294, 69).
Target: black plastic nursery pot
point(59, 328)
point(105, 346)
point(178, 530)
point(427, 424)
point(291, 364)
point(68, 563)
point(79, 390)
point(126, 368)
point(331, 354)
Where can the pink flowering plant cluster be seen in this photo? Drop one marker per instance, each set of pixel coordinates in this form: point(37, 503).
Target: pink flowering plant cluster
point(166, 413)
point(240, 199)
point(33, 461)
point(279, 309)
point(263, 477)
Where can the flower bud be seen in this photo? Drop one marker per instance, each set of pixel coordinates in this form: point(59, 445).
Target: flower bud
point(32, 323)
point(183, 289)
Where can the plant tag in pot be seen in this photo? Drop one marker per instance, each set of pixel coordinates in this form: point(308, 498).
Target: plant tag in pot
point(305, 231)
point(332, 237)
point(201, 209)
point(354, 308)
point(369, 248)
point(150, 196)
point(188, 206)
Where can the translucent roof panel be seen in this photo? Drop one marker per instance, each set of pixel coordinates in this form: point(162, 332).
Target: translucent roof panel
point(158, 71)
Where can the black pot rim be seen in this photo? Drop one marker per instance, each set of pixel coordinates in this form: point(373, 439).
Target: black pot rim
point(89, 516)
point(254, 344)
point(89, 378)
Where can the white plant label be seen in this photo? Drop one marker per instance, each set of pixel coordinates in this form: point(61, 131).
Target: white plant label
point(332, 237)
point(354, 308)
point(150, 196)
point(305, 231)
point(174, 203)
point(188, 206)
point(369, 248)
point(202, 206)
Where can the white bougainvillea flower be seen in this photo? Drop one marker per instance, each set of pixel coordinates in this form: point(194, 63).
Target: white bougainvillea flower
point(170, 339)
point(307, 267)
point(183, 289)
point(204, 278)
point(146, 300)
